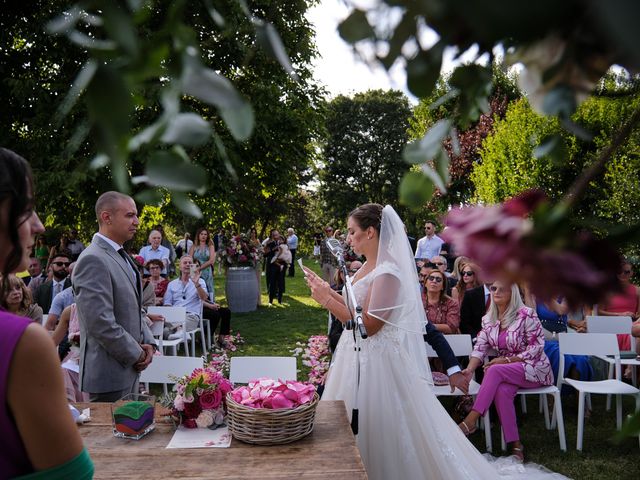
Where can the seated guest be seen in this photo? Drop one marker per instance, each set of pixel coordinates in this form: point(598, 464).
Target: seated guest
point(553, 317)
point(156, 251)
point(625, 304)
point(457, 266)
point(442, 311)
point(515, 332)
point(60, 280)
point(157, 283)
point(69, 328)
point(16, 298)
point(188, 291)
point(217, 315)
point(34, 269)
point(469, 278)
point(441, 264)
point(60, 302)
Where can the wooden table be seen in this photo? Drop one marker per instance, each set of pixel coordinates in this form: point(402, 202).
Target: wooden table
point(329, 452)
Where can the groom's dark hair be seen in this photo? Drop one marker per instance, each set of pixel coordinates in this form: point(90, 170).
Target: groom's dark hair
point(368, 215)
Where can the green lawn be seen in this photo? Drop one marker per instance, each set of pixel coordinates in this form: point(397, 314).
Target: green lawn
point(275, 331)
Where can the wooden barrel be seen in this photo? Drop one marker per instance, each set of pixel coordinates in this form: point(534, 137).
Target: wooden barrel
point(242, 289)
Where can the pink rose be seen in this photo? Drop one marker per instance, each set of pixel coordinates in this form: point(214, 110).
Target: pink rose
point(208, 400)
point(178, 403)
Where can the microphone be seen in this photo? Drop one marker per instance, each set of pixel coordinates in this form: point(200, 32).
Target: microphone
point(336, 249)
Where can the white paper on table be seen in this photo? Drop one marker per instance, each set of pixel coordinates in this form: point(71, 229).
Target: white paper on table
point(200, 438)
point(70, 365)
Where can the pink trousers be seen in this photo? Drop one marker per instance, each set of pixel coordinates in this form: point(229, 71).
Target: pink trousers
point(500, 385)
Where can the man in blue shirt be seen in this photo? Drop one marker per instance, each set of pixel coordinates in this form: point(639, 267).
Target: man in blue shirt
point(429, 245)
point(292, 243)
point(155, 251)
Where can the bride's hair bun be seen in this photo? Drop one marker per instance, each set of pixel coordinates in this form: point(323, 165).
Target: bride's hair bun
point(368, 215)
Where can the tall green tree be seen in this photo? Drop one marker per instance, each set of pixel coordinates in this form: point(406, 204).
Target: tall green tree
point(363, 154)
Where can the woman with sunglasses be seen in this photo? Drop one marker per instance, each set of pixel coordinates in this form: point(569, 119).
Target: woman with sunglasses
point(514, 331)
point(468, 280)
point(442, 310)
point(36, 437)
point(623, 304)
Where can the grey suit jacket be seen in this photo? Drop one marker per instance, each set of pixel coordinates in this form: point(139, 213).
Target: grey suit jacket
point(111, 326)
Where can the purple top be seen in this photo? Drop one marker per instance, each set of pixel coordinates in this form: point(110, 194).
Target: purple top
point(13, 456)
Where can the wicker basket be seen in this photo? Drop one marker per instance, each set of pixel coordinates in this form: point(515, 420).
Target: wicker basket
point(264, 426)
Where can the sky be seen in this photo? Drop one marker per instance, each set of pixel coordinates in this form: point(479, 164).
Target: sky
point(339, 69)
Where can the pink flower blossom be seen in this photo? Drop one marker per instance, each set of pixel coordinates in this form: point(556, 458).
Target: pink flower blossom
point(178, 403)
point(210, 399)
point(502, 240)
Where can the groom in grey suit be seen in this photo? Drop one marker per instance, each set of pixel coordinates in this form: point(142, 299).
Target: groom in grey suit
point(115, 343)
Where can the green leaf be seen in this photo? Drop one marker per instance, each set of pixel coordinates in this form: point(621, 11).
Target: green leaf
point(214, 14)
point(442, 169)
point(270, 41)
point(64, 22)
point(85, 41)
point(630, 428)
point(415, 190)
point(119, 26)
point(149, 196)
point(109, 102)
point(560, 101)
point(99, 161)
point(187, 129)
point(216, 90)
point(450, 95)
point(434, 176)
point(423, 71)
point(147, 135)
point(83, 78)
point(428, 146)
point(185, 204)
point(167, 169)
point(355, 27)
point(576, 129)
point(553, 147)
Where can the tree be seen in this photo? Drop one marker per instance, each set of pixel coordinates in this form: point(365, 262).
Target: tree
point(40, 68)
point(363, 153)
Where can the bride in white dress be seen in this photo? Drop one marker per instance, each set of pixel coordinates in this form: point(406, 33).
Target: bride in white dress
point(404, 432)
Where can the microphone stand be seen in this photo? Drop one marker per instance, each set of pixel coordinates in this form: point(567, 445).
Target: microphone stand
point(354, 324)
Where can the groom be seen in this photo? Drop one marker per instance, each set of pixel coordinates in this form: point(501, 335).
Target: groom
point(437, 341)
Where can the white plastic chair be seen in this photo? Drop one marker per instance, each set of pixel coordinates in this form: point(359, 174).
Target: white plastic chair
point(175, 316)
point(192, 334)
point(462, 347)
point(618, 325)
point(157, 330)
point(598, 344)
point(557, 420)
point(245, 369)
point(163, 367)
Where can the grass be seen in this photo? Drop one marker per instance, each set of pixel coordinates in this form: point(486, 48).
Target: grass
point(275, 330)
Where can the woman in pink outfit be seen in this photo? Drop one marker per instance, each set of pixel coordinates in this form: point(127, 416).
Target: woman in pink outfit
point(514, 331)
point(626, 303)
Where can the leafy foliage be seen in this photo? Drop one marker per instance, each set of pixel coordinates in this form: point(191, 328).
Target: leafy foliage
point(362, 156)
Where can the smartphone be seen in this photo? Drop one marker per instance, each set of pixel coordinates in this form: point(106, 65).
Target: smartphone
point(302, 266)
point(194, 270)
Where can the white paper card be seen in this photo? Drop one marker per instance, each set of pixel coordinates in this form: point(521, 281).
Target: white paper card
point(200, 438)
point(70, 365)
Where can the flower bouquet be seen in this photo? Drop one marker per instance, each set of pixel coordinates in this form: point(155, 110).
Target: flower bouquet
point(200, 398)
point(270, 412)
point(237, 251)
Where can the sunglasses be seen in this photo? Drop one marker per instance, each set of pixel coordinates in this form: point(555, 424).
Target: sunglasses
point(494, 289)
point(154, 267)
point(432, 278)
point(61, 264)
point(468, 274)
point(438, 264)
point(626, 272)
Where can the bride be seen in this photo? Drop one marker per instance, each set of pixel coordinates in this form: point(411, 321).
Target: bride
point(404, 432)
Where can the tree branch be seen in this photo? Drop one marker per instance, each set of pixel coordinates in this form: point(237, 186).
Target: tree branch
point(582, 182)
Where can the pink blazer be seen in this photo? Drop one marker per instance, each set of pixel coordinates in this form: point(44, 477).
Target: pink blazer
point(525, 339)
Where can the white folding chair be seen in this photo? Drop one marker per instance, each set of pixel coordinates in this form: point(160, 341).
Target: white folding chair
point(192, 334)
point(598, 344)
point(462, 347)
point(245, 369)
point(175, 316)
point(557, 419)
point(621, 326)
point(163, 367)
point(157, 330)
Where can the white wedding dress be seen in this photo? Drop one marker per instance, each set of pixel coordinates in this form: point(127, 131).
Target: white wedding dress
point(404, 431)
